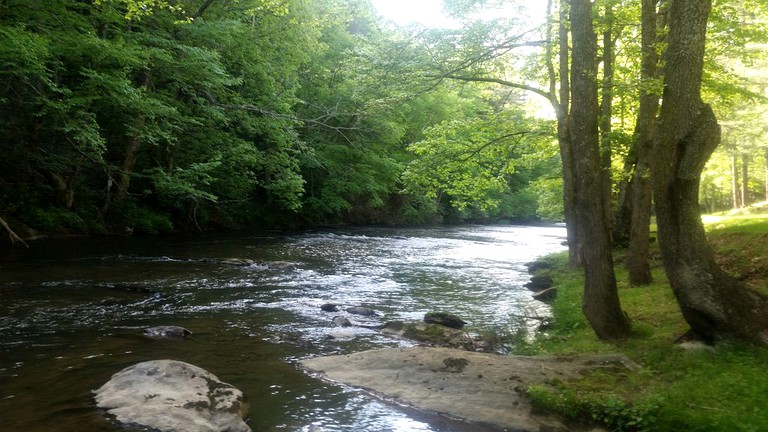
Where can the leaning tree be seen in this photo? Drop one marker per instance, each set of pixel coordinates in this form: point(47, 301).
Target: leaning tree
point(714, 304)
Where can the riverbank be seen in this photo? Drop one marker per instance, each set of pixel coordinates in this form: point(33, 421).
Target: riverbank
point(679, 387)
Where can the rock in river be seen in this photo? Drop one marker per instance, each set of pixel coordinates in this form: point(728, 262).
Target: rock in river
point(444, 319)
point(340, 321)
point(173, 396)
point(329, 307)
point(167, 332)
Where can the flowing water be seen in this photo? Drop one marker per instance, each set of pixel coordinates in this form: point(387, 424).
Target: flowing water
point(71, 314)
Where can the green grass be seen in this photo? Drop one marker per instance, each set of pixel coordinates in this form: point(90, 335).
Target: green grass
point(724, 390)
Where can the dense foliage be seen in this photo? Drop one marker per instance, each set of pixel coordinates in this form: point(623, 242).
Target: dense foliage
point(152, 116)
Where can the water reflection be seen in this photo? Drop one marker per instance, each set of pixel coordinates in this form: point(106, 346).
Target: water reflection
point(71, 314)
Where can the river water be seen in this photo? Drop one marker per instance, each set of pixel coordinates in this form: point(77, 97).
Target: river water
point(72, 310)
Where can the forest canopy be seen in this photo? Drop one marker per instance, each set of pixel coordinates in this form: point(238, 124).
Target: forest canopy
point(152, 116)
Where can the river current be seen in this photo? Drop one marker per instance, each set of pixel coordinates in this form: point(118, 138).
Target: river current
point(72, 311)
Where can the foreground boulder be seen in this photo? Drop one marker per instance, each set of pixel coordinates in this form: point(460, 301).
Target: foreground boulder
point(173, 396)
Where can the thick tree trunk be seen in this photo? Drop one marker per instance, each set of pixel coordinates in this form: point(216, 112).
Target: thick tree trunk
point(713, 303)
point(640, 196)
point(601, 301)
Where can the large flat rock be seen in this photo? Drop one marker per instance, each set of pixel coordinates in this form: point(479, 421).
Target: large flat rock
point(475, 387)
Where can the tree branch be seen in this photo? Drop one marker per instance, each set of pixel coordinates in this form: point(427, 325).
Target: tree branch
point(498, 139)
point(14, 237)
point(201, 10)
point(543, 93)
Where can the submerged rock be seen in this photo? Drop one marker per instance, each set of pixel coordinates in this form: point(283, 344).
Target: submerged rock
point(173, 396)
point(340, 321)
point(167, 332)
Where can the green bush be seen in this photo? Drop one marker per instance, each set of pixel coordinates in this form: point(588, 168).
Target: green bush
point(610, 411)
point(57, 220)
point(149, 221)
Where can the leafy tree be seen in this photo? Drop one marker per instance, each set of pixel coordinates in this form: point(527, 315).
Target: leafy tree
point(473, 163)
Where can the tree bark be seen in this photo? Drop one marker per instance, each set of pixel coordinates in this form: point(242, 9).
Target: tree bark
point(601, 300)
point(713, 303)
point(640, 195)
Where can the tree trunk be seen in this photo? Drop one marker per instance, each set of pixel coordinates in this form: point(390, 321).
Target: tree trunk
point(64, 188)
point(559, 98)
point(635, 186)
point(606, 115)
point(640, 195)
point(601, 301)
point(766, 173)
point(735, 197)
point(574, 236)
point(713, 303)
point(744, 180)
point(129, 160)
point(130, 157)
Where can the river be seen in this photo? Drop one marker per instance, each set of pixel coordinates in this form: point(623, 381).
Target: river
point(72, 310)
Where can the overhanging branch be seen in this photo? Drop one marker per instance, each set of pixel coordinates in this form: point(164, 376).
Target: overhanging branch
point(543, 93)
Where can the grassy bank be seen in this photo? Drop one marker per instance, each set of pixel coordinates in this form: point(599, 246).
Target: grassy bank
point(722, 388)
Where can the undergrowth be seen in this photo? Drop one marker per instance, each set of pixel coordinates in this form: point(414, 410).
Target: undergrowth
point(719, 389)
